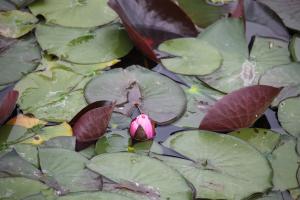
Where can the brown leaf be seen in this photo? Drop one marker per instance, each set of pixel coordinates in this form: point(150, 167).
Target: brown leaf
point(239, 109)
point(7, 105)
point(92, 121)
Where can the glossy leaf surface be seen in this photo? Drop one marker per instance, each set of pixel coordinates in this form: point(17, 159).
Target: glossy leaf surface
point(239, 109)
point(149, 23)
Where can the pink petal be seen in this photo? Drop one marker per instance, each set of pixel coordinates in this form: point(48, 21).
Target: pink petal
point(133, 127)
point(146, 124)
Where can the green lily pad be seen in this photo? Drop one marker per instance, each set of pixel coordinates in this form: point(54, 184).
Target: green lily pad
point(119, 121)
point(18, 57)
point(64, 142)
point(199, 99)
point(295, 48)
point(155, 95)
point(14, 165)
point(221, 166)
point(68, 169)
point(11, 133)
point(79, 13)
point(284, 161)
point(16, 188)
point(287, 10)
point(28, 152)
point(84, 46)
point(287, 76)
point(115, 141)
point(271, 196)
point(289, 115)
point(88, 152)
point(238, 68)
point(193, 56)
point(58, 98)
point(295, 193)
point(95, 196)
point(263, 140)
point(201, 12)
point(16, 23)
point(267, 53)
point(129, 169)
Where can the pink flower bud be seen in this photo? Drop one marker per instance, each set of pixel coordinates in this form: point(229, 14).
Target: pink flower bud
point(142, 128)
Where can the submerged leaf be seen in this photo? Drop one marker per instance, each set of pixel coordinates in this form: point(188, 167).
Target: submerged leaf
point(262, 21)
point(149, 23)
point(7, 105)
point(16, 23)
point(239, 109)
point(287, 10)
point(92, 121)
point(219, 166)
point(79, 13)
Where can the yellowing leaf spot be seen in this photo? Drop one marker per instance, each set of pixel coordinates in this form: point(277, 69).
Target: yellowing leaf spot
point(25, 121)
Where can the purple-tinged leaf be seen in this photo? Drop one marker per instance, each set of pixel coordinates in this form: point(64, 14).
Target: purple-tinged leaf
point(238, 12)
point(7, 105)
point(239, 109)
point(92, 121)
point(262, 21)
point(149, 23)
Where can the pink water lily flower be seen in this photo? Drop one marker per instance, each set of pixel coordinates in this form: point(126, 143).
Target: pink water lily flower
point(142, 128)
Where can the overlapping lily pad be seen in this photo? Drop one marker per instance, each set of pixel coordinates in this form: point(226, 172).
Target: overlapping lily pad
point(68, 169)
point(289, 115)
point(57, 98)
point(284, 161)
point(239, 69)
point(17, 57)
point(199, 99)
point(79, 13)
point(16, 23)
point(263, 140)
point(202, 12)
point(95, 196)
point(221, 166)
point(295, 48)
point(192, 56)
point(84, 46)
point(116, 141)
point(155, 95)
point(288, 11)
point(15, 188)
point(128, 171)
point(287, 76)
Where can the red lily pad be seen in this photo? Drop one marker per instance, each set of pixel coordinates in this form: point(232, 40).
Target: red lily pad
point(7, 105)
point(239, 109)
point(92, 121)
point(149, 23)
